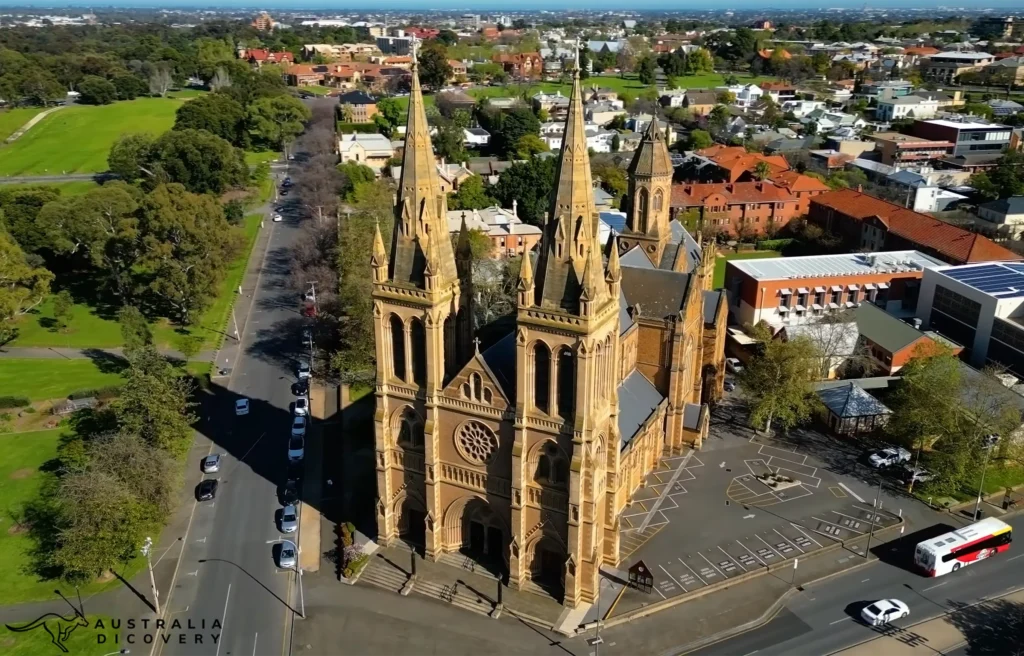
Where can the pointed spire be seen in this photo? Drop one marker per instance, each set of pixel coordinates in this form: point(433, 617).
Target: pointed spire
point(526, 274)
point(614, 272)
point(379, 255)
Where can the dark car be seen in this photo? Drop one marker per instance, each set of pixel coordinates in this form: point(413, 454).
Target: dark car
point(290, 492)
point(207, 490)
point(301, 388)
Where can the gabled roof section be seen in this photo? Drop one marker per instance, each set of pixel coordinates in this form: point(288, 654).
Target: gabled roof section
point(883, 329)
point(850, 401)
point(638, 400)
point(659, 293)
point(635, 257)
point(498, 362)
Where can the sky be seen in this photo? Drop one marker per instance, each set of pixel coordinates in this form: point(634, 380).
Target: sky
point(499, 5)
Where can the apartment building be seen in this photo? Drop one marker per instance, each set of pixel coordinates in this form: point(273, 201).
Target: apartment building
point(904, 151)
point(948, 66)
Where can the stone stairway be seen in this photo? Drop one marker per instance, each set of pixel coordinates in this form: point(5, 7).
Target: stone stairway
point(383, 574)
point(456, 595)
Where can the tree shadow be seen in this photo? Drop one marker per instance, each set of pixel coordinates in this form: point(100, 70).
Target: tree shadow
point(994, 627)
point(105, 361)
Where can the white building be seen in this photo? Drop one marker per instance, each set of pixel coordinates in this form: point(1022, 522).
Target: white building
point(746, 95)
point(1005, 216)
point(373, 150)
point(476, 137)
point(891, 109)
point(801, 108)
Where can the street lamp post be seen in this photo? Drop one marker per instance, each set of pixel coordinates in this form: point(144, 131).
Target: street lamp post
point(989, 444)
point(147, 549)
point(874, 510)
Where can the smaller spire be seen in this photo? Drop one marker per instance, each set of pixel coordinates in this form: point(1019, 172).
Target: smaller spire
point(614, 272)
point(526, 274)
point(576, 53)
point(379, 256)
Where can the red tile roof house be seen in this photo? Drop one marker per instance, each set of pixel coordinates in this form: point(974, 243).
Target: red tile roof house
point(866, 222)
point(735, 164)
point(258, 56)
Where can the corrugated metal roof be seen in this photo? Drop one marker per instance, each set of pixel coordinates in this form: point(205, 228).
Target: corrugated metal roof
point(842, 264)
point(850, 401)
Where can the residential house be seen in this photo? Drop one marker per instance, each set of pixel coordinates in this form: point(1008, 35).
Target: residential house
point(602, 94)
point(257, 57)
point(789, 145)
point(779, 91)
point(555, 104)
point(1004, 217)
point(945, 100)
point(1002, 108)
point(700, 101)
point(746, 95)
point(672, 98)
point(305, 75)
point(357, 107)
point(735, 208)
point(829, 160)
point(459, 69)
point(912, 106)
point(373, 150)
point(456, 100)
point(450, 175)
point(798, 290)
point(488, 168)
point(886, 89)
point(519, 65)
point(823, 120)
point(948, 66)
point(905, 151)
point(734, 163)
point(505, 104)
point(476, 137)
point(866, 222)
point(509, 236)
point(1006, 71)
point(602, 113)
point(801, 108)
point(342, 76)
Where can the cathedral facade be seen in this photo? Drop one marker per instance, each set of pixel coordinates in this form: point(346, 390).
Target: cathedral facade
point(523, 453)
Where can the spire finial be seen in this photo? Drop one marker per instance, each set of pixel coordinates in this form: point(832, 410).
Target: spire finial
point(414, 47)
point(476, 345)
point(576, 52)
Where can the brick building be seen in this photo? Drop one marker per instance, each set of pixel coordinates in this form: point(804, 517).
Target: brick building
point(736, 207)
point(797, 290)
point(866, 222)
point(733, 163)
point(520, 64)
point(257, 57)
point(357, 107)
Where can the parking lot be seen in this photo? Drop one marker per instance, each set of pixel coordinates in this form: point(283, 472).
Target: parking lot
point(737, 506)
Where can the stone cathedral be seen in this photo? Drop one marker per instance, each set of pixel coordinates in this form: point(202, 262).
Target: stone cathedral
point(522, 453)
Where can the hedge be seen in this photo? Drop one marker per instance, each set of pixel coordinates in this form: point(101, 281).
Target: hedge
point(101, 393)
point(774, 244)
point(13, 402)
point(362, 128)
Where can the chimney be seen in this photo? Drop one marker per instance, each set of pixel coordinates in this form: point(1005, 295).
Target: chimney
point(515, 208)
point(860, 189)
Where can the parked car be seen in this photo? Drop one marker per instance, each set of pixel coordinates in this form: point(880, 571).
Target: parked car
point(307, 336)
point(888, 457)
point(207, 490)
point(284, 192)
point(289, 519)
point(298, 426)
point(301, 387)
point(290, 492)
point(301, 407)
point(911, 474)
point(884, 611)
point(287, 556)
point(287, 182)
point(276, 218)
point(241, 407)
point(733, 365)
point(304, 371)
point(296, 448)
point(211, 463)
point(729, 386)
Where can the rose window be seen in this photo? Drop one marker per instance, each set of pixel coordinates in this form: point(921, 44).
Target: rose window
point(476, 442)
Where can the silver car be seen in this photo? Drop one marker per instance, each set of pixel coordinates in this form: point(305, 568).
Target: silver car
point(289, 519)
point(211, 463)
point(288, 556)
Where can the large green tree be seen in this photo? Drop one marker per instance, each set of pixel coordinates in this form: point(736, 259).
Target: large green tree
point(218, 114)
point(94, 90)
point(155, 402)
point(434, 68)
point(529, 184)
point(22, 285)
point(777, 380)
point(277, 120)
point(202, 162)
point(21, 206)
point(471, 195)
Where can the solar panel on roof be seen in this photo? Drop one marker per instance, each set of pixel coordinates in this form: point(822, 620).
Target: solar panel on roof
point(1002, 280)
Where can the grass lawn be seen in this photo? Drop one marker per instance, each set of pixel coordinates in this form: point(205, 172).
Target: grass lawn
point(12, 119)
point(186, 93)
point(20, 482)
point(253, 158)
point(83, 641)
point(85, 330)
point(316, 90)
point(77, 139)
point(53, 378)
point(719, 279)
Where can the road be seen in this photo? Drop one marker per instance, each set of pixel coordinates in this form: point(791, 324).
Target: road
point(227, 571)
point(53, 179)
point(820, 620)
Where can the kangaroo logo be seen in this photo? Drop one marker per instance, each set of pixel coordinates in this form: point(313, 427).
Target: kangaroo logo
point(59, 627)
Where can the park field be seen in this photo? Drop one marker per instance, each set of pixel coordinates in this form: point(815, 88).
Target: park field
point(12, 119)
point(719, 279)
point(39, 379)
point(77, 139)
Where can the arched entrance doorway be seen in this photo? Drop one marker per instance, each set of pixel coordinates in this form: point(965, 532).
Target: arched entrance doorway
point(412, 521)
point(477, 531)
point(547, 565)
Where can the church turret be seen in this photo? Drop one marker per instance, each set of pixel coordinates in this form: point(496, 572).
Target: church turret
point(649, 196)
point(379, 257)
point(464, 252)
point(525, 286)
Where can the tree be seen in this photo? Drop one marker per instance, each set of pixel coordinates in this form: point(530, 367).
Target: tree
point(129, 86)
point(320, 186)
point(434, 69)
point(448, 141)
point(187, 245)
point(762, 170)
point(613, 177)
point(189, 346)
point(201, 161)
point(135, 332)
point(160, 81)
point(700, 61)
point(276, 120)
point(646, 70)
point(221, 79)
point(128, 156)
point(509, 128)
point(698, 140)
point(218, 114)
point(355, 174)
point(154, 403)
point(40, 87)
point(20, 207)
point(22, 286)
point(63, 309)
point(531, 144)
point(529, 184)
point(777, 380)
point(388, 116)
point(447, 37)
point(977, 109)
point(470, 195)
point(95, 90)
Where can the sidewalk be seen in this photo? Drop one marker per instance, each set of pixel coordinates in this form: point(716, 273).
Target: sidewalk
point(986, 628)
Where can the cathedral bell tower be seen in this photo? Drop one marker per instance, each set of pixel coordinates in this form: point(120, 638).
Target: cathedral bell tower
point(649, 196)
point(567, 338)
point(422, 331)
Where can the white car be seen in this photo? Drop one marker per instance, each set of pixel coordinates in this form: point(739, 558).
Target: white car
point(242, 407)
point(296, 448)
point(733, 365)
point(884, 611)
point(276, 218)
point(913, 474)
point(888, 457)
point(303, 370)
point(287, 556)
point(301, 408)
point(298, 426)
point(289, 519)
point(729, 386)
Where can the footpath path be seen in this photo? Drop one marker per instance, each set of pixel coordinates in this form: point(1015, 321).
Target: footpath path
point(31, 122)
point(55, 353)
point(50, 179)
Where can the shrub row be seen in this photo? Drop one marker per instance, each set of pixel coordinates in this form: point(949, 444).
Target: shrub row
point(13, 402)
point(774, 244)
point(101, 393)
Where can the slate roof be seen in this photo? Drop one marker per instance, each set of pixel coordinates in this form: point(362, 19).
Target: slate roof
point(1010, 206)
point(691, 415)
point(883, 329)
point(659, 293)
point(625, 321)
point(501, 360)
point(356, 98)
point(954, 244)
point(638, 400)
point(850, 401)
point(636, 258)
point(701, 97)
point(711, 300)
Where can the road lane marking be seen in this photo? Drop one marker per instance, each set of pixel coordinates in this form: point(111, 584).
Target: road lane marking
point(254, 639)
point(838, 621)
point(713, 566)
point(224, 620)
point(937, 585)
point(1014, 558)
point(851, 492)
point(732, 559)
point(699, 578)
point(674, 579)
point(865, 580)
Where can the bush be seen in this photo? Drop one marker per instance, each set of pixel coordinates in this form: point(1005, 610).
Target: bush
point(101, 393)
point(774, 244)
point(360, 128)
point(13, 402)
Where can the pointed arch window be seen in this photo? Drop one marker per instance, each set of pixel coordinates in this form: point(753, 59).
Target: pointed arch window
point(418, 339)
point(642, 203)
point(541, 377)
point(478, 385)
point(397, 347)
point(566, 382)
point(659, 199)
point(552, 466)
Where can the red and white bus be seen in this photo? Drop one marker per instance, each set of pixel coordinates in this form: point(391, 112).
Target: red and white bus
point(948, 553)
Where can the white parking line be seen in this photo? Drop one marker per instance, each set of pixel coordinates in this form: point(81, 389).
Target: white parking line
point(797, 527)
point(769, 546)
point(732, 559)
point(699, 578)
point(851, 492)
point(839, 526)
point(797, 546)
point(859, 519)
point(713, 566)
point(664, 493)
point(224, 619)
point(674, 579)
point(751, 553)
point(838, 621)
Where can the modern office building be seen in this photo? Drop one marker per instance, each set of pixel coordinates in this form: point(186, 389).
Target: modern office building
point(970, 135)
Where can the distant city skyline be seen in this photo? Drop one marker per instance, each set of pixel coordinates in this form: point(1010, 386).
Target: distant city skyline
point(495, 5)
